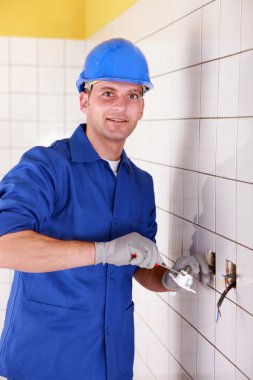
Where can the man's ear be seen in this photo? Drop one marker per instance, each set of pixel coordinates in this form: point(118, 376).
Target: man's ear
point(83, 99)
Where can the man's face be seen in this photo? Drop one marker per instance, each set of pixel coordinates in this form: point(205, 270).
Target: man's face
point(112, 109)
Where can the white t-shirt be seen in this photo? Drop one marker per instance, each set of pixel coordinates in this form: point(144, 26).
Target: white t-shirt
point(114, 166)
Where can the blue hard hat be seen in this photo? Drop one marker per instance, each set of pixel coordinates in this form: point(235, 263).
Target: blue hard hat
point(116, 60)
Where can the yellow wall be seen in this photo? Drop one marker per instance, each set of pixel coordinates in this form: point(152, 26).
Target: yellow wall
point(73, 19)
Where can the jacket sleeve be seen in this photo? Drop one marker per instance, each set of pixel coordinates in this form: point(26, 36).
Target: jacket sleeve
point(27, 193)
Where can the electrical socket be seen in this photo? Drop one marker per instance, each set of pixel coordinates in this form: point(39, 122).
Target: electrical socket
point(230, 273)
point(211, 260)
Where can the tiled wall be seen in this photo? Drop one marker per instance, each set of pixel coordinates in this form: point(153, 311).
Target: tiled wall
point(196, 138)
point(38, 103)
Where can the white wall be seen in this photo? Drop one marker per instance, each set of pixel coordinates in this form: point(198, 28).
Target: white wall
point(196, 139)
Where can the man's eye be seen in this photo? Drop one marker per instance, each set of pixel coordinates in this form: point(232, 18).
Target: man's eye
point(108, 93)
point(133, 96)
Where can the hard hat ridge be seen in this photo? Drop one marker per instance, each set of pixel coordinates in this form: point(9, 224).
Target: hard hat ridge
point(118, 60)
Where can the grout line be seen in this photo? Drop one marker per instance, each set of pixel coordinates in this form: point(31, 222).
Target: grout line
point(201, 63)
point(191, 170)
point(146, 364)
point(152, 331)
point(196, 329)
point(172, 23)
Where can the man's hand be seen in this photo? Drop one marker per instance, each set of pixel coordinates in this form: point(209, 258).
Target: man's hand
point(131, 249)
point(198, 266)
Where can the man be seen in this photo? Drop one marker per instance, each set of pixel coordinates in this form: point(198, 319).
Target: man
point(77, 222)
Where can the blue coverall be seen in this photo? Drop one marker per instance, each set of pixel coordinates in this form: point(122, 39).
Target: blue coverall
point(74, 324)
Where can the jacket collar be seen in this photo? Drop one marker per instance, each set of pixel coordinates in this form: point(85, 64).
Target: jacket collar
point(81, 149)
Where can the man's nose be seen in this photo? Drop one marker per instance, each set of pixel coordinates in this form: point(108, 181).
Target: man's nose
point(120, 103)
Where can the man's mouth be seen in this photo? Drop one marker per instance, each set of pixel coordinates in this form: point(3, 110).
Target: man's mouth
point(117, 120)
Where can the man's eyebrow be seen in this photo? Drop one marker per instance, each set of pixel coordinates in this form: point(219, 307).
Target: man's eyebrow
point(108, 88)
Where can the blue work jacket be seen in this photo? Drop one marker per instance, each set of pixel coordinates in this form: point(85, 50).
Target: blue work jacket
point(74, 324)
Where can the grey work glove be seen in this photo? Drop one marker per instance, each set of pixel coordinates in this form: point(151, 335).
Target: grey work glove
point(131, 249)
point(198, 267)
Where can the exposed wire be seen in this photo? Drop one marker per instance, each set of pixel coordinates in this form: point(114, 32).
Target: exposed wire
point(224, 294)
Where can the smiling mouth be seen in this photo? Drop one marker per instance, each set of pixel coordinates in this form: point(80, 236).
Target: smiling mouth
point(116, 120)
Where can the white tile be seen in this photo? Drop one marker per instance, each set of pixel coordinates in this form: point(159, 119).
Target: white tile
point(51, 80)
point(175, 334)
point(141, 141)
point(162, 100)
point(51, 107)
point(23, 107)
point(209, 89)
point(205, 359)
point(206, 311)
point(225, 250)
point(72, 111)
point(176, 191)
point(176, 98)
point(244, 150)
point(4, 275)
point(210, 30)
point(191, 144)
point(247, 25)
point(4, 160)
point(207, 146)
point(163, 233)
point(160, 138)
point(176, 233)
point(75, 53)
point(192, 92)
point(153, 45)
point(4, 50)
point(5, 292)
point(244, 214)
point(141, 371)
point(229, 86)
point(225, 208)
point(244, 283)
point(223, 368)
point(5, 134)
point(189, 349)
point(16, 154)
point(71, 75)
point(23, 51)
point(190, 203)
point(4, 79)
point(225, 334)
point(187, 46)
point(158, 318)
point(50, 132)
point(240, 376)
point(140, 337)
point(4, 109)
point(23, 79)
point(177, 143)
point(244, 342)
point(207, 201)
point(189, 238)
point(230, 24)
point(51, 52)
point(246, 83)
point(158, 358)
point(226, 148)
point(163, 187)
point(24, 134)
